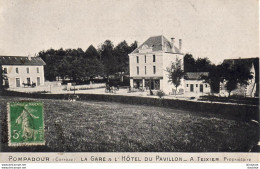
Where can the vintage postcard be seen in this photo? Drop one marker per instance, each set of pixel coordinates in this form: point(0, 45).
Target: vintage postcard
point(119, 81)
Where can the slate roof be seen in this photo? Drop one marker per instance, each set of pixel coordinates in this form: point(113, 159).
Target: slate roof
point(158, 43)
point(195, 75)
point(21, 60)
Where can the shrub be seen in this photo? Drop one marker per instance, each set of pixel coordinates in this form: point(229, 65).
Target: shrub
point(160, 93)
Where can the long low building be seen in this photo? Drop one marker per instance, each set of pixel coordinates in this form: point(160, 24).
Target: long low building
point(195, 84)
point(20, 71)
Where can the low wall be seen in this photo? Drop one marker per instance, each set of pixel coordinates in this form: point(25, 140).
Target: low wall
point(241, 112)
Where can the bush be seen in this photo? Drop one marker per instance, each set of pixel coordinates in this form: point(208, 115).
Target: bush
point(160, 93)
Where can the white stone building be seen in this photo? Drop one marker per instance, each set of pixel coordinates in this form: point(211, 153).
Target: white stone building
point(148, 63)
point(195, 85)
point(22, 71)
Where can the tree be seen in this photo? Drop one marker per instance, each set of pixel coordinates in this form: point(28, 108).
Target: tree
point(175, 73)
point(203, 65)
point(121, 52)
point(234, 74)
point(133, 46)
point(189, 63)
point(108, 58)
point(196, 65)
point(77, 72)
point(93, 65)
point(79, 65)
point(51, 59)
point(214, 77)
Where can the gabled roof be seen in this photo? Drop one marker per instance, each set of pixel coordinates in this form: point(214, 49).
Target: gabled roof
point(196, 75)
point(21, 60)
point(158, 43)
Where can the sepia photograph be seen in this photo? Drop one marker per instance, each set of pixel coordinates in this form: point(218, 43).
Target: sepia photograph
point(129, 76)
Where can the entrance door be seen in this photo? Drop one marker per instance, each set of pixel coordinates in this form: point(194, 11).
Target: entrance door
point(28, 80)
point(38, 81)
point(201, 88)
point(137, 84)
point(152, 84)
point(191, 88)
point(18, 82)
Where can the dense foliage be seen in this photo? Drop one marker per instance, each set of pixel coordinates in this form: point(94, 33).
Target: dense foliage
point(78, 65)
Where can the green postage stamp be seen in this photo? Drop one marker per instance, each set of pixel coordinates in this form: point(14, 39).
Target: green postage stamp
point(25, 123)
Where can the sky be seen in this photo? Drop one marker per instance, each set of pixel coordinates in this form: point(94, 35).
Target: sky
point(217, 29)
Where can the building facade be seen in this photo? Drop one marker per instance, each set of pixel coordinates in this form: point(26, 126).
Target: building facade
point(21, 71)
point(148, 63)
point(195, 85)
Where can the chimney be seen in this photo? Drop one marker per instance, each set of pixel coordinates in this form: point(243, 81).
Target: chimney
point(180, 44)
point(172, 41)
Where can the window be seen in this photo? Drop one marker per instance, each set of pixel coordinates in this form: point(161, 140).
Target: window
point(28, 70)
point(206, 85)
point(38, 70)
point(17, 70)
point(137, 70)
point(144, 58)
point(196, 85)
point(154, 69)
point(5, 70)
point(145, 70)
point(153, 58)
point(187, 85)
point(137, 59)
point(157, 84)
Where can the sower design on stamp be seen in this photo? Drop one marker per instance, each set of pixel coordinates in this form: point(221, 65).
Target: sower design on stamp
point(26, 124)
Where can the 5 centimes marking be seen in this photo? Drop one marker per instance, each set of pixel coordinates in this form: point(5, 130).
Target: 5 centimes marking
point(25, 123)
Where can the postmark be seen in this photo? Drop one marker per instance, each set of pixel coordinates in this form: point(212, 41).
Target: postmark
point(25, 123)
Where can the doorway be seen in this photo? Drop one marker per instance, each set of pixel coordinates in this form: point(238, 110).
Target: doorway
point(191, 87)
point(38, 81)
point(201, 87)
point(28, 80)
point(18, 82)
